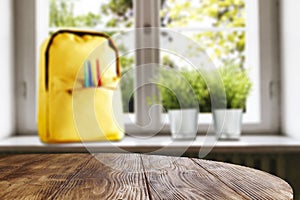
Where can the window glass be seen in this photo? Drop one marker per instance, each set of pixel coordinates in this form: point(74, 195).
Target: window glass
point(217, 26)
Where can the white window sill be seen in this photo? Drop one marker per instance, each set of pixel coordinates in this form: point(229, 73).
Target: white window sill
point(247, 144)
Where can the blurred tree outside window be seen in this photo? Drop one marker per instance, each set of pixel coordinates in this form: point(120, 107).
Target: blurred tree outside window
point(217, 25)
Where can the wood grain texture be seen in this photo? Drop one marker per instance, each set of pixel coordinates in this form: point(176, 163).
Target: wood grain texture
point(132, 176)
point(181, 178)
point(107, 176)
point(248, 182)
point(39, 175)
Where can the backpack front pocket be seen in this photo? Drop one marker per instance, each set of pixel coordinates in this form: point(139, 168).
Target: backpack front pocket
point(86, 114)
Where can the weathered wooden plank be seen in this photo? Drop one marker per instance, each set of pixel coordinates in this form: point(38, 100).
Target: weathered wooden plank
point(107, 176)
point(132, 176)
point(249, 182)
point(19, 159)
point(11, 163)
point(38, 175)
point(181, 178)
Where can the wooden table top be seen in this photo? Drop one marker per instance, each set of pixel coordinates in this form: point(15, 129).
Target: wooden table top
point(132, 176)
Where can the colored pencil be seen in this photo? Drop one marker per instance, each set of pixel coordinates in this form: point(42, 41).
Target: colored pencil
point(86, 76)
point(99, 82)
point(91, 84)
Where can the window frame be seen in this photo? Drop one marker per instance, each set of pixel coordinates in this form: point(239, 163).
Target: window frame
point(262, 28)
point(30, 29)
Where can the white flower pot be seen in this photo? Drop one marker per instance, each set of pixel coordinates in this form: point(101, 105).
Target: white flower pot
point(227, 123)
point(183, 123)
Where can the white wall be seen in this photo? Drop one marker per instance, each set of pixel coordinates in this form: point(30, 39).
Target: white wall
point(290, 70)
point(7, 104)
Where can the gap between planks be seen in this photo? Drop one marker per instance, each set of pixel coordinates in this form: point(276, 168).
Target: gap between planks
point(69, 179)
point(175, 179)
point(237, 192)
point(146, 178)
point(248, 181)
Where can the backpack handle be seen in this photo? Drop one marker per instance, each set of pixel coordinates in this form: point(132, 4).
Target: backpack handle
point(79, 33)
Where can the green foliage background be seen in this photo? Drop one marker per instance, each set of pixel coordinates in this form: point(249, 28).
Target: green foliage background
point(225, 46)
point(62, 15)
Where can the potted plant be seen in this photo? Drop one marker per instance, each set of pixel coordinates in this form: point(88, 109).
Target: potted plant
point(180, 101)
point(237, 85)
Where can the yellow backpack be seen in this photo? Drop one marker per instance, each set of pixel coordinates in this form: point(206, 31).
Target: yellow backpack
point(69, 110)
